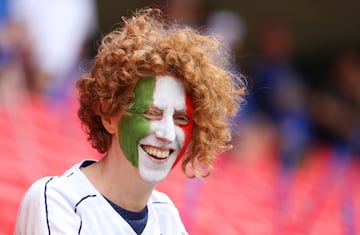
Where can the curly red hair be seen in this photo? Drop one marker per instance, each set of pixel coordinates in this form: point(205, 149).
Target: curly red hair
point(147, 45)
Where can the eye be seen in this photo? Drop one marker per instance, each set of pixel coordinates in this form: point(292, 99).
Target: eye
point(181, 119)
point(153, 114)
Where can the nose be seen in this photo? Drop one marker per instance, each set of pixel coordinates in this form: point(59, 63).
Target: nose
point(166, 131)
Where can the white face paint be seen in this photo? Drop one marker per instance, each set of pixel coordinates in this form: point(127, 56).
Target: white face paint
point(159, 150)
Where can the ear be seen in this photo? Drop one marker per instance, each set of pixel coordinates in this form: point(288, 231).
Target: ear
point(109, 123)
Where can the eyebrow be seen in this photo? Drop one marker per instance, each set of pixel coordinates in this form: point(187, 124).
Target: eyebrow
point(180, 111)
point(160, 109)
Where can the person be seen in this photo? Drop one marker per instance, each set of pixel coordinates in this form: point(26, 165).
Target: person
point(157, 94)
point(57, 36)
point(279, 97)
point(338, 96)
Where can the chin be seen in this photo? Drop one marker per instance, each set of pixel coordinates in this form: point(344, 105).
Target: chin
point(153, 177)
point(155, 172)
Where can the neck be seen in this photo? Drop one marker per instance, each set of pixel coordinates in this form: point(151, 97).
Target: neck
point(119, 181)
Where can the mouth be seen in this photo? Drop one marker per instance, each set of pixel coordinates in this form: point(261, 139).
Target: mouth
point(157, 153)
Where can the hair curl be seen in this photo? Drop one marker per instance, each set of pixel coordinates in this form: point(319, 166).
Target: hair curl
point(147, 45)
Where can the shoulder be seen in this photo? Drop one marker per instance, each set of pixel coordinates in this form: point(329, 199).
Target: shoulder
point(50, 188)
point(71, 187)
point(66, 190)
point(34, 196)
point(37, 188)
point(52, 201)
point(161, 198)
point(166, 213)
point(163, 205)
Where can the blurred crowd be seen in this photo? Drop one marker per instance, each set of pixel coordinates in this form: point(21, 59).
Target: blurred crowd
point(42, 44)
point(300, 110)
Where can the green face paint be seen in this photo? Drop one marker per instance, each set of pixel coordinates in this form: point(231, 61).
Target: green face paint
point(133, 125)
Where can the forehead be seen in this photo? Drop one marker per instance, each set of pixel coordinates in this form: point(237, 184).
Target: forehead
point(169, 92)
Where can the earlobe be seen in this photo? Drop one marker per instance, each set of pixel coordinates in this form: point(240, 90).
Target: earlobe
point(108, 123)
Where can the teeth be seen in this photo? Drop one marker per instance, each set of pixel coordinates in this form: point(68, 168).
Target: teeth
point(156, 152)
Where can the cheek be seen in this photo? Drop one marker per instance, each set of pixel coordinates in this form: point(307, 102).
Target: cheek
point(187, 129)
point(132, 129)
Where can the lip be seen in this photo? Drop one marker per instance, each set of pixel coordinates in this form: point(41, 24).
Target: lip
point(154, 152)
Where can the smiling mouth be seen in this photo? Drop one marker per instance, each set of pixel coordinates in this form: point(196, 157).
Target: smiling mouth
point(156, 152)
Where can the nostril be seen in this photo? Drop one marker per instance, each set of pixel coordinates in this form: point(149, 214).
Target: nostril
point(159, 134)
point(163, 136)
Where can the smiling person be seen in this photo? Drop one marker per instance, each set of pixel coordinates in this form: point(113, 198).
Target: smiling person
point(157, 95)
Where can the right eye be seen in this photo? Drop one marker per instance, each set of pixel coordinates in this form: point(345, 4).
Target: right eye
point(153, 114)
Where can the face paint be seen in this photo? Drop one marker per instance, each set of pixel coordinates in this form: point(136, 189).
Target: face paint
point(160, 127)
point(186, 128)
point(134, 126)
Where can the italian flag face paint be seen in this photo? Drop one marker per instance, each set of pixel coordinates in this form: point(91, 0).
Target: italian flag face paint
point(187, 129)
point(134, 126)
point(156, 130)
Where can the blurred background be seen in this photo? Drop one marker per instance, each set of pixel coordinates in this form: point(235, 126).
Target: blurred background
point(294, 167)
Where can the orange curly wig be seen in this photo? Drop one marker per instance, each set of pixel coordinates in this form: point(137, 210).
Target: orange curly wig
point(147, 45)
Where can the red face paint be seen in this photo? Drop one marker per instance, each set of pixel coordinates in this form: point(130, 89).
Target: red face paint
point(187, 129)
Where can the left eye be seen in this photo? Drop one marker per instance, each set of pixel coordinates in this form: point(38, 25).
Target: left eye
point(153, 114)
point(181, 119)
